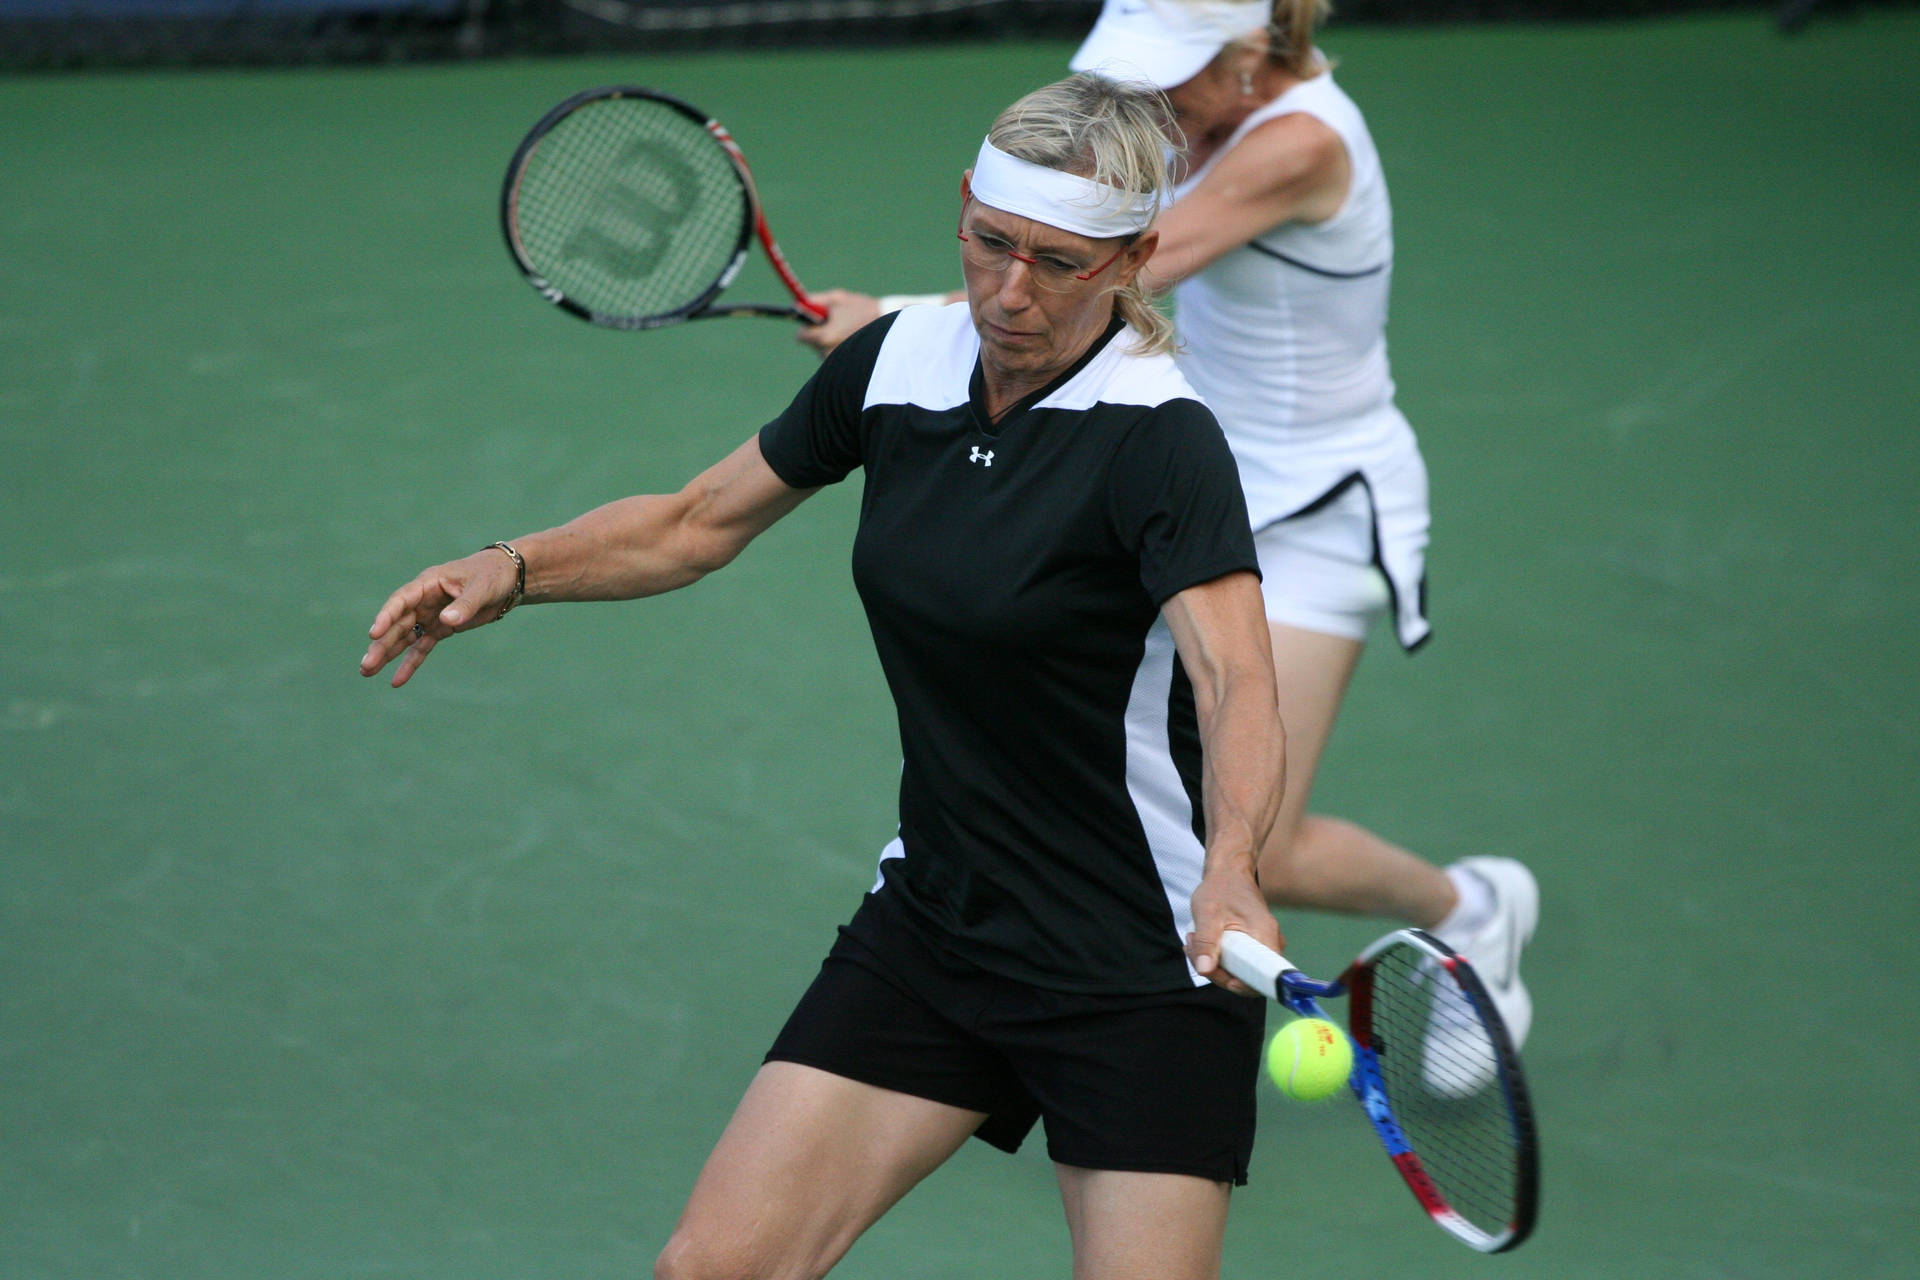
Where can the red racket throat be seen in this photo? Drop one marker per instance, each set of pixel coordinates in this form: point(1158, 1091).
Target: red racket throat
point(810, 310)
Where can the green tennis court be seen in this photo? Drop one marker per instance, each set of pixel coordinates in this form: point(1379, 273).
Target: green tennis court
point(304, 978)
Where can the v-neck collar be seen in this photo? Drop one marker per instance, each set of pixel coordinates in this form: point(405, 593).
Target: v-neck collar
point(977, 385)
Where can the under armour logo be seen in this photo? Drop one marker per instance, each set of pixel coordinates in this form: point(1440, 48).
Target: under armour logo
point(985, 459)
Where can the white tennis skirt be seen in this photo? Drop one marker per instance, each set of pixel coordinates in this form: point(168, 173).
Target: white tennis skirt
point(1339, 561)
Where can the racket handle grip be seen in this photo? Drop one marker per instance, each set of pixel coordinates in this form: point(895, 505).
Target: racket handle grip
point(1254, 963)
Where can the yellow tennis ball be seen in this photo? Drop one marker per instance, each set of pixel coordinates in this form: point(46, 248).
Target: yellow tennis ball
point(1309, 1059)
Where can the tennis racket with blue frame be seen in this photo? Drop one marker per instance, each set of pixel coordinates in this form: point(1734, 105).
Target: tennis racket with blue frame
point(1435, 1072)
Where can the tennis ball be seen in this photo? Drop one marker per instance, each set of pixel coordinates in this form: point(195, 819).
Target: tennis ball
point(1309, 1059)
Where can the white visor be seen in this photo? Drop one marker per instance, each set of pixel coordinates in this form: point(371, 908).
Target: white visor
point(1062, 200)
point(1165, 43)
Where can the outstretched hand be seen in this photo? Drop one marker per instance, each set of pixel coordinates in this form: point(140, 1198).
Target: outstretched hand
point(457, 596)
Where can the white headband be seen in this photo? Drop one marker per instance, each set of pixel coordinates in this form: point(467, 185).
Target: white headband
point(1058, 199)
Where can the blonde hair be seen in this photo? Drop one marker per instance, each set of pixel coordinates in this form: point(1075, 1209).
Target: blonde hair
point(1113, 133)
point(1290, 36)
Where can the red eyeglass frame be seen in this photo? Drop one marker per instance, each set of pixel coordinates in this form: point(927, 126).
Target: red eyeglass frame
point(960, 231)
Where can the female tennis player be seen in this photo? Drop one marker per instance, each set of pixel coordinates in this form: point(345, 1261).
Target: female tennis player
point(1055, 559)
point(1279, 251)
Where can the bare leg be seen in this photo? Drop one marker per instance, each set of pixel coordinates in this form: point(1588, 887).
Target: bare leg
point(1329, 864)
point(808, 1162)
point(1143, 1226)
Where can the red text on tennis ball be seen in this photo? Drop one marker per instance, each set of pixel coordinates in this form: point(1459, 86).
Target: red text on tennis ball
point(1309, 1059)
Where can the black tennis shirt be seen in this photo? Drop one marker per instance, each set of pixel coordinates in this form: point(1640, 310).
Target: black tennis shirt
point(1012, 575)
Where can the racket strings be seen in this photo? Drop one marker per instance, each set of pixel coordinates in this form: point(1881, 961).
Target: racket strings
point(630, 208)
point(1440, 1066)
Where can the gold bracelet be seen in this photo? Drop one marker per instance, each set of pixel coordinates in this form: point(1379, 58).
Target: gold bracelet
point(520, 586)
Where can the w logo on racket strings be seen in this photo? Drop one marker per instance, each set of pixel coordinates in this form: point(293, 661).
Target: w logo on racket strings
point(632, 225)
point(982, 456)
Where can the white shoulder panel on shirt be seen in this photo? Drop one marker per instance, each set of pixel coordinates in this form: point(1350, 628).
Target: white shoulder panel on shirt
point(1116, 377)
point(927, 358)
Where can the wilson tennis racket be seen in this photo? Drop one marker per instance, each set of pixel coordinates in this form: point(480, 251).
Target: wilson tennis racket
point(1435, 1072)
point(631, 209)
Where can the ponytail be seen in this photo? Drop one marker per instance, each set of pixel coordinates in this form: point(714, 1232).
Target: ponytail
point(1135, 306)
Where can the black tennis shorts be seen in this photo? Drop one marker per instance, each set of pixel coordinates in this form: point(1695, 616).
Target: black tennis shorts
point(1157, 1083)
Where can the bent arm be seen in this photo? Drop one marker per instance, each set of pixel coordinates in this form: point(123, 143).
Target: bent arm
point(1293, 168)
point(1220, 630)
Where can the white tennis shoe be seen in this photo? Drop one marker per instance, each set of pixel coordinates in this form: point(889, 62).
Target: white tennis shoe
point(1458, 1062)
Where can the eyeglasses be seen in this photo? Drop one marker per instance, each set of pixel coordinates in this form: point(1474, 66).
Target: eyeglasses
point(1048, 271)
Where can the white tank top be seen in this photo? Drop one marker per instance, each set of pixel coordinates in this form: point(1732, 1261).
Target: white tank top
point(1285, 337)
